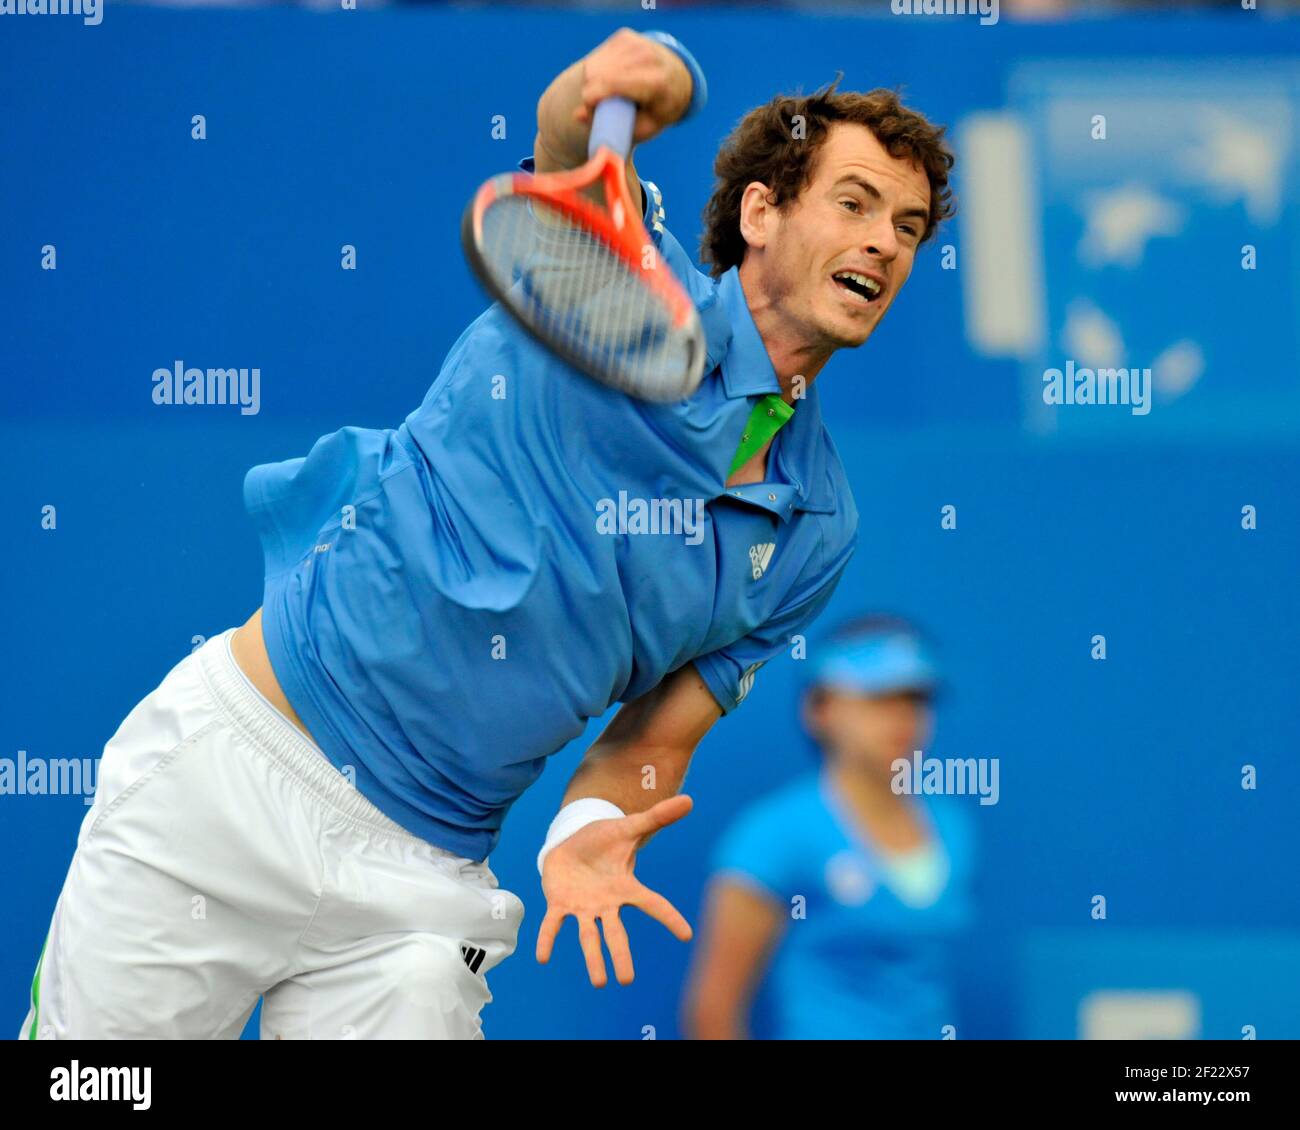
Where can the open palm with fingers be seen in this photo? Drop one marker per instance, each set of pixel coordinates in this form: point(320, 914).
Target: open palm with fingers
point(590, 876)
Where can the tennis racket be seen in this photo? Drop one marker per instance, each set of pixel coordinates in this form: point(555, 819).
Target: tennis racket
point(585, 280)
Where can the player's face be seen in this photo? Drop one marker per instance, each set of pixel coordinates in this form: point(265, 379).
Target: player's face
point(864, 212)
point(874, 731)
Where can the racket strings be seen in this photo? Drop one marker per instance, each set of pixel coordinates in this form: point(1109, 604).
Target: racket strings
point(562, 279)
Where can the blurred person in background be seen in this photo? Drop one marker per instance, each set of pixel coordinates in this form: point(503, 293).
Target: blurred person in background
point(842, 891)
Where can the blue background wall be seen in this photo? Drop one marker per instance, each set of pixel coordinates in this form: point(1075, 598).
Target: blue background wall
point(1118, 778)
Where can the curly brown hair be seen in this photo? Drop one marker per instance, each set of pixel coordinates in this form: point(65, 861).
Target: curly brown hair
point(763, 148)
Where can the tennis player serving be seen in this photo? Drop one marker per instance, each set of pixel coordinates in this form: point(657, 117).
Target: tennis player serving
point(303, 810)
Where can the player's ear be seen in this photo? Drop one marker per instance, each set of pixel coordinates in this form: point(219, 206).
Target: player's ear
point(756, 213)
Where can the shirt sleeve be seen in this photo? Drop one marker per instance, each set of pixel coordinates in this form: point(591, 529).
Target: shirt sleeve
point(729, 672)
point(757, 850)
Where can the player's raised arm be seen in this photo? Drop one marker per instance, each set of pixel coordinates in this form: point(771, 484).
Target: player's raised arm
point(629, 64)
point(588, 873)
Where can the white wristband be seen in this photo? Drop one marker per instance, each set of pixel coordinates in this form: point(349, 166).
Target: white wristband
point(574, 815)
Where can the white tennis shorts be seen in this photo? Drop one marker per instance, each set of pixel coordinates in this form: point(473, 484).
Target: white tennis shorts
point(225, 859)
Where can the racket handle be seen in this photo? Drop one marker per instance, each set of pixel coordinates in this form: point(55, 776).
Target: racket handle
point(612, 125)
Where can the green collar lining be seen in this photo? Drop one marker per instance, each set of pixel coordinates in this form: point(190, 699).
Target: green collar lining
point(765, 421)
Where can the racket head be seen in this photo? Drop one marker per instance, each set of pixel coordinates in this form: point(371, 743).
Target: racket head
point(586, 281)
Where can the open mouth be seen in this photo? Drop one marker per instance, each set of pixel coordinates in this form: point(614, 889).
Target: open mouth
point(859, 287)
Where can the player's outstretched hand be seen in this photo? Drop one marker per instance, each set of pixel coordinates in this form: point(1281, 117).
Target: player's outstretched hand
point(589, 876)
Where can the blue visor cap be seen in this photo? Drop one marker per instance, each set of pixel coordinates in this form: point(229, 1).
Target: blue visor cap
point(877, 664)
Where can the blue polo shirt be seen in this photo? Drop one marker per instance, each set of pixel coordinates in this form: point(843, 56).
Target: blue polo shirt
point(448, 602)
point(867, 956)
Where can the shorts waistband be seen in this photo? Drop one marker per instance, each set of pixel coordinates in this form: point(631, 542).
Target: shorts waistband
point(278, 738)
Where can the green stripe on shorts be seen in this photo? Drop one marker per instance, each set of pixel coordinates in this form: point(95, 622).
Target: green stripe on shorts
point(36, 991)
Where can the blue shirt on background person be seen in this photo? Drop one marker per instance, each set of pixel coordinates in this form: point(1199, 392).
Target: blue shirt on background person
point(443, 610)
point(869, 958)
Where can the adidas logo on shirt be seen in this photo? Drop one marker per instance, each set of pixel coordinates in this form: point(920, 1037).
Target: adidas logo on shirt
point(759, 556)
point(746, 682)
point(656, 207)
point(473, 956)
